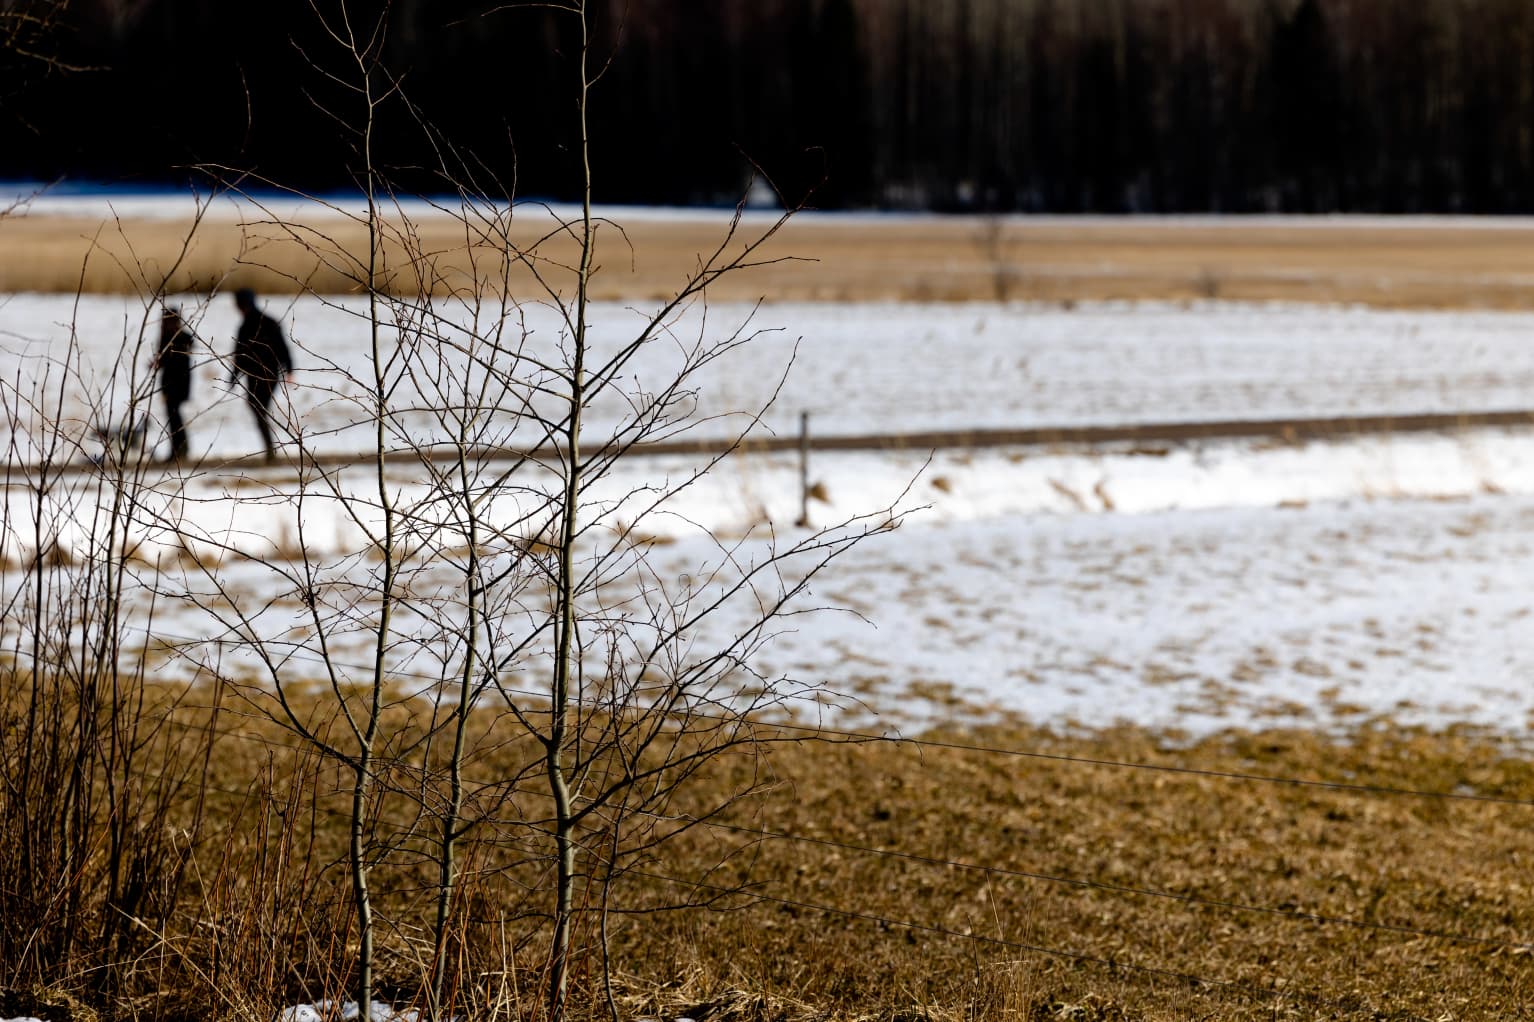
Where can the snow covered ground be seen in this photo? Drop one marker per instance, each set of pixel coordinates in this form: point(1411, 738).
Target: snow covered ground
point(1194, 585)
point(96, 201)
point(876, 368)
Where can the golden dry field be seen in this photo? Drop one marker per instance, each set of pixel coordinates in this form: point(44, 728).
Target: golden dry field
point(1414, 263)
point(1007, 872)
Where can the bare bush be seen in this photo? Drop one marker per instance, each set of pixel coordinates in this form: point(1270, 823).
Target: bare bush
point(441, 624)
point(102, 804)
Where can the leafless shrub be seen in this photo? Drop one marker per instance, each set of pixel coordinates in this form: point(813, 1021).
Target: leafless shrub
point(496, 696)
point(102, 804)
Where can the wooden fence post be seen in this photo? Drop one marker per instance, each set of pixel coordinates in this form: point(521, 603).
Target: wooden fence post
point(804, 470)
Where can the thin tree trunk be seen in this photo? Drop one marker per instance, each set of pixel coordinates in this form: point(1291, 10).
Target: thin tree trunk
point(363, 776)
point(564, 810)
point(447, 864)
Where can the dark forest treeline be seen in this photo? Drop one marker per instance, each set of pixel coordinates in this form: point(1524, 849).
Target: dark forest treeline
point(1057, 105)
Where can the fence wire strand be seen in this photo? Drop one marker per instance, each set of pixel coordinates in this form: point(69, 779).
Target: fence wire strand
point(994, 871)
point(850, 737)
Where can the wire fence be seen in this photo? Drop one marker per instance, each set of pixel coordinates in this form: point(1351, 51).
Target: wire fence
point(293, 651)
point(1315, 429)
point(763, 892)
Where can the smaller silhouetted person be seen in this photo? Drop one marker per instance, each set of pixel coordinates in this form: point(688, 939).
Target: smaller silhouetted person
point(173, 358)
point(261, 356)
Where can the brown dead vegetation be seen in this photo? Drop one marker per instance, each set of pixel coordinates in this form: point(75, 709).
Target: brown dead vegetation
point(1414, 264)
point(1000, 873)
point(922, 875)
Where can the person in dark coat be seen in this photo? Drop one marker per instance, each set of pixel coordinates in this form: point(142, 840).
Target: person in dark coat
point(173, 358)
point(261, 356)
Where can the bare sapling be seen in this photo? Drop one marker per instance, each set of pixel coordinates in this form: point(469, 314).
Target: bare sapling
point(452, 600)
point(103, 805)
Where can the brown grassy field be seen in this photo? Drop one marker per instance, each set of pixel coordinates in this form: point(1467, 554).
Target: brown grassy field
point(1001, 873)
point(972, 884)
point(1412, 264)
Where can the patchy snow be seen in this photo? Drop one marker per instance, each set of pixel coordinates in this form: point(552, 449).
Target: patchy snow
point(331, 1011)
point(90, 200)
point(1193, 585)
point(260, 205)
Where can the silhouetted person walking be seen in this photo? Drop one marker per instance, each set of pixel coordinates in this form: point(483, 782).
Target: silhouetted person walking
point(173, 358)
point(261, 355)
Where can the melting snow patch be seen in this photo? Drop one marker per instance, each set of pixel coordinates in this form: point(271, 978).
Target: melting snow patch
point(331, 1011)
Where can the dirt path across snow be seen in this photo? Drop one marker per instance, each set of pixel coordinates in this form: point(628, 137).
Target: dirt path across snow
point(1146, 436)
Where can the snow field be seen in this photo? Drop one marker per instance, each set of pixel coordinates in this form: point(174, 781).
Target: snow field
point(854, 368)
point(1192, 586)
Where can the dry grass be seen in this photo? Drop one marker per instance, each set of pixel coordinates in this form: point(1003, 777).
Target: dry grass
point(827, 259)
point(1419, 864)
point(899, 881)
